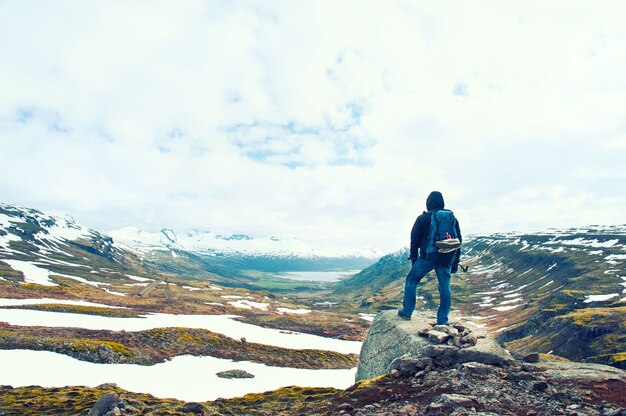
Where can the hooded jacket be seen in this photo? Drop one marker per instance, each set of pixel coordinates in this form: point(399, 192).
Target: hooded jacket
point(419, 233)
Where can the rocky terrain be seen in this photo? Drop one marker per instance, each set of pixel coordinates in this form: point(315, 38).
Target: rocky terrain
point(542, 296)
point(416, 369)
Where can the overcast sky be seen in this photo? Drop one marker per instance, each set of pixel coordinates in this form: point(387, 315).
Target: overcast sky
point(325, 120)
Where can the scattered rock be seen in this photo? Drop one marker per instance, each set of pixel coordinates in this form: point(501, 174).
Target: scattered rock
point(469, 340)
point(480, 368)
point(107, 386)
point(486, 351)
point(193, 407)
point(442, 355)
point(540, 386)
point(234, 374)
point(131, 410)
point(453, 400)
point(437, 337)
point(107, 405)
point(347, 407)
point(450, 330)
point(408, 410)
point(532, 358)
point(408, 365)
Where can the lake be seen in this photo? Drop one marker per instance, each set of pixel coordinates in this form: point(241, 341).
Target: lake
point(319, 276)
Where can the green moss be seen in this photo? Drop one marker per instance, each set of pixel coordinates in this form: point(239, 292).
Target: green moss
point(93, 345)
point(552, 358)
point(587, 316)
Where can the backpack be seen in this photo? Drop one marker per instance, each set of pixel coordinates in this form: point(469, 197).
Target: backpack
point(442, 227)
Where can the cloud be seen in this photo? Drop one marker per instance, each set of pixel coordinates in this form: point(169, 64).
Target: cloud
point(324, 120)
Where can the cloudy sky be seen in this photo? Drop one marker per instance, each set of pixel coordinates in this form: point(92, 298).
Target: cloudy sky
point(326, 120)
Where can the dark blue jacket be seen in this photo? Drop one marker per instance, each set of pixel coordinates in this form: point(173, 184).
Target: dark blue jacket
point(419, 233)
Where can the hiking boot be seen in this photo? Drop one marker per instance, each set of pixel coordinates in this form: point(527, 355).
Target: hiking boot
point(403, 316)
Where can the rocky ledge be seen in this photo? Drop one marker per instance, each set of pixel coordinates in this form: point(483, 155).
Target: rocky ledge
point(391, 338)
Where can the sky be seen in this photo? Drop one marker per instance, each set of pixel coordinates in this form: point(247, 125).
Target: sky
point(329, 121)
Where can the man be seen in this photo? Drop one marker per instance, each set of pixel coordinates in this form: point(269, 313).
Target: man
point(443, 265)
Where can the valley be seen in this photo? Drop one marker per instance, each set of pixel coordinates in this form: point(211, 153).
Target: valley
point(160, 320)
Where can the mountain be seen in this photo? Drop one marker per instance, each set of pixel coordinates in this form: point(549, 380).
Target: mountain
point(237, 260)
point(56, 253)
point(210, 243)
point(558, 291)
point(225, 254)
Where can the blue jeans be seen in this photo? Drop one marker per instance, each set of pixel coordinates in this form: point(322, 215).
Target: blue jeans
point(420, 268)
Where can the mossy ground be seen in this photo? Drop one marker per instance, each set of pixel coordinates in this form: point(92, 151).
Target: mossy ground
point(87, 310)
point(158, 345)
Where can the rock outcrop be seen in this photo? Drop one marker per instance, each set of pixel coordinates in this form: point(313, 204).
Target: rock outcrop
point(390, 338)
point(456, 370)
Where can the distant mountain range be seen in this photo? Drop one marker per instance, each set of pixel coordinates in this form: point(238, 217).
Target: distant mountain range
point(210, 243)
point(32, 235)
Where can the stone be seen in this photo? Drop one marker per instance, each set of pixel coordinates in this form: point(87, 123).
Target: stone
point(389, 338)
point(193, 407)
point(131, 410)
point(107, 386)
point(437, 337)
point(531, 358)
point(408, 365)
point(409, 409)
point(469, 340)
point(455, 400)
point(540, 386)
point(425, 329)
point(105, 404)
point(234, 374)
point(478, 368)
point(486, 351)
point(442, 355)
point(450, 330)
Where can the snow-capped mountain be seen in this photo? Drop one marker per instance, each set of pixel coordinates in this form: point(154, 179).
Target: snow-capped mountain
point(210, 243)
point(38, 238)
point(26, 230)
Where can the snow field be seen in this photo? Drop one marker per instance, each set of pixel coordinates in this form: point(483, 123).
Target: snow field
point(184, 377)
point(32, 273)
point(222, 324)
point(43, 301)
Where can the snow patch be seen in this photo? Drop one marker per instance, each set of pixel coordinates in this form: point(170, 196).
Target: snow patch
point(599, 298)
point(367, 316)
point(505, 308)
point(296, 311)
point(168, 379)
point(32, 273)
point(222, 324)
point(138, 278)
point(42, 301)
point(247, 304)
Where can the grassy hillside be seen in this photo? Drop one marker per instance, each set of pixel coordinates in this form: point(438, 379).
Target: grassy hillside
point(532, 289)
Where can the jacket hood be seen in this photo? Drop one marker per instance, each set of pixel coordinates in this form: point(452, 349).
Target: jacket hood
point(434, 201)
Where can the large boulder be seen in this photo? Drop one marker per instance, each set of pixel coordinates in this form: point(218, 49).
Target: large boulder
point(408, 342)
